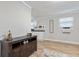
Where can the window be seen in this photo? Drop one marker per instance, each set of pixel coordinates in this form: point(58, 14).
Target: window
point(33, 23)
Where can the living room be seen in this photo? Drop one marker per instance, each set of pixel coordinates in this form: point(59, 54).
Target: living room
point(39, 28)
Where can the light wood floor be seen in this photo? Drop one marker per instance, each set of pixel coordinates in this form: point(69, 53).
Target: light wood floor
point(62, 47)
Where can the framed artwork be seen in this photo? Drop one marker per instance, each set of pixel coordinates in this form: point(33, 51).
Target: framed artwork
point(51, 26)
point(66, 24)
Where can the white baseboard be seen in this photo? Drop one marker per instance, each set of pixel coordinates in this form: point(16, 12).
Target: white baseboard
point(69, 42)
point(40, 39)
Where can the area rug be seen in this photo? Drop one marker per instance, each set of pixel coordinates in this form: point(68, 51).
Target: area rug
point(53, 53)
point(49, 53)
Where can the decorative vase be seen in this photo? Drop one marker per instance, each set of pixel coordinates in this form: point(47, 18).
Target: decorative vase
point(8, 36)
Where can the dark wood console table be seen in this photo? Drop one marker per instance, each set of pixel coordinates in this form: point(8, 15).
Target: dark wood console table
point(17, 47)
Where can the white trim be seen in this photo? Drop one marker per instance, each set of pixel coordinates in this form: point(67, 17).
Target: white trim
point(62, 41)
point(26, 4)
point(40, 39)
point(67, 11)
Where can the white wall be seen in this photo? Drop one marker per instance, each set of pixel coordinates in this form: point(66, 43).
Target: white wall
point(73, 37)
point(16, 17)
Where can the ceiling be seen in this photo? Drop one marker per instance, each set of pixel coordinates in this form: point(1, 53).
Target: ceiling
point(48, 8)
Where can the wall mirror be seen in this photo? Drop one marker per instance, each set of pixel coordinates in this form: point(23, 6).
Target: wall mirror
point(51, 26)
